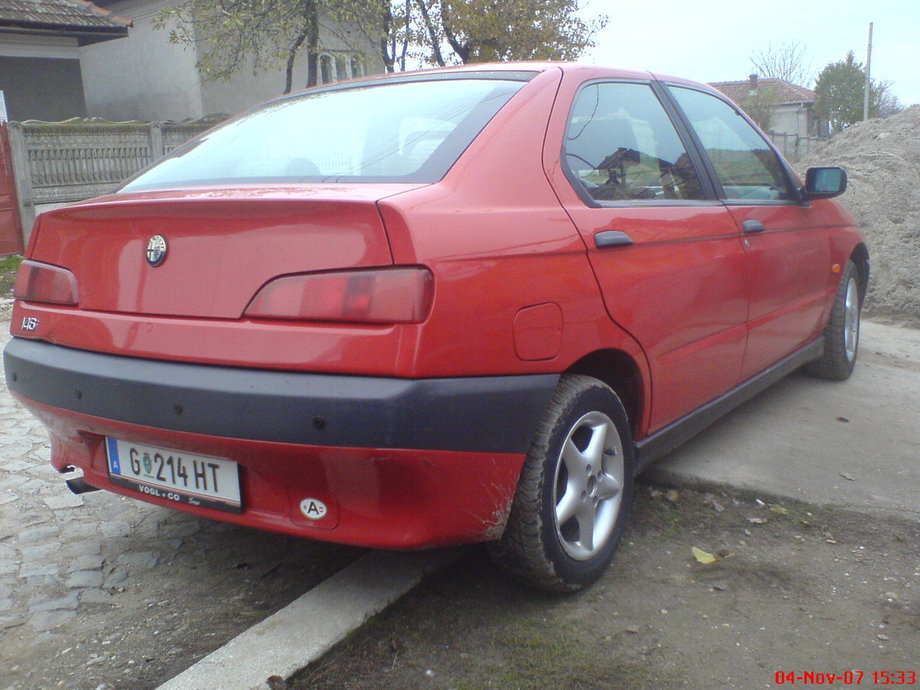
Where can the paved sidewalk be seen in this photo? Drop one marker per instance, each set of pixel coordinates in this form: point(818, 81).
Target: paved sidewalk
point(853, 444)
point(51, 556)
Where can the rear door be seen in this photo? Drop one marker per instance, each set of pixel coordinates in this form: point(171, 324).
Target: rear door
point(667, 255)
point(787, 251)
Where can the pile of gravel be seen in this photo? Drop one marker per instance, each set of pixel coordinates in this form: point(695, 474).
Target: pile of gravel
point(882, 160)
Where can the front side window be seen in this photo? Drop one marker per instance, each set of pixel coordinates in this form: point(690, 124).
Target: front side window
point(745, 164)
point(410, 131)
point(620, 145)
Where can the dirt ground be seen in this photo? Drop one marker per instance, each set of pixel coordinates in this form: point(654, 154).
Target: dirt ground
point(795, 589)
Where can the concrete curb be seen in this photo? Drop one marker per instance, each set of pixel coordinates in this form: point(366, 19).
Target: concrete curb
point(310, 626)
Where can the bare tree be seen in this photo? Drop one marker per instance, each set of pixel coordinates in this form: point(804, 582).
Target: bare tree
point(784, 61)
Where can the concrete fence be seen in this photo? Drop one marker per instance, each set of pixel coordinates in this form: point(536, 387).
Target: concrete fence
point(63, 162)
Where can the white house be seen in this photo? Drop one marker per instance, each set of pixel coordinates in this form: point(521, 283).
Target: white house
point(40, 48)
point(58, 61)
point(146, 77)
point(792, 105)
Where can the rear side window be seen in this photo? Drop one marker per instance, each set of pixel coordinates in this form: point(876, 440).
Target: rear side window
point(620, 145)
point(395, 132)
point(745, 164)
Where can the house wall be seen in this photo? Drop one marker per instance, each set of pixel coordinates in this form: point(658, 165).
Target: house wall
point(247, 88)
point(143, 76)
point(791, 119)
point(41, 77)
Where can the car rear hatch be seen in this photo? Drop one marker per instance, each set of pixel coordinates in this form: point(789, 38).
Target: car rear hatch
point(222, 245)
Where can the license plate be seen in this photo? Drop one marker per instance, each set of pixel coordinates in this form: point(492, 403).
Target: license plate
point(196, 480)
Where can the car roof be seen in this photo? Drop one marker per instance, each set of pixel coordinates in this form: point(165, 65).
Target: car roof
point(507, 69)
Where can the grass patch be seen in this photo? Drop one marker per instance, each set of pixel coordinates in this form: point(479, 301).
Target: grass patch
point(8, 267)
point(550, 654)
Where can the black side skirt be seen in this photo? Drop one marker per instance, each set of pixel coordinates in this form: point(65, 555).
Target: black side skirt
point(662, 442)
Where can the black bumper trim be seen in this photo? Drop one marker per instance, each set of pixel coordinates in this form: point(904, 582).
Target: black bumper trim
point(490, 414)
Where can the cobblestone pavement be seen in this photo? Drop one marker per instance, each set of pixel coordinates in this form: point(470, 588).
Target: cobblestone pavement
point(101, 591)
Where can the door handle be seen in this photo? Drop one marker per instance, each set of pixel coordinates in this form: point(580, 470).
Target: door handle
point(753, 226)
point(612, 238)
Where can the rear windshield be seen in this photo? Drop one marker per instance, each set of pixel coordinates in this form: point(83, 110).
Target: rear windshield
point(409, 131)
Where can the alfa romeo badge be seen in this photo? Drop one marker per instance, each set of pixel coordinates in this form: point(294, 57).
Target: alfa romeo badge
point(156, 250)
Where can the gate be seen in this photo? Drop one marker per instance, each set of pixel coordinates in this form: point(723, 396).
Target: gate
point(10, 227)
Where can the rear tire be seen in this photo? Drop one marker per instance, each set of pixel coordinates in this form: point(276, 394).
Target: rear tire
point(841, 335)
point(575, 490)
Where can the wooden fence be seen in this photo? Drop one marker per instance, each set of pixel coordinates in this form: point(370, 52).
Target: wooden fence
point(61, 162)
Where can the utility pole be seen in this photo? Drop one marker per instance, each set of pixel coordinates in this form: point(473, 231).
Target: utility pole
point(868, 70)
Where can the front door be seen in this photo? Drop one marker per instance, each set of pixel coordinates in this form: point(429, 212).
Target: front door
point(787, 245)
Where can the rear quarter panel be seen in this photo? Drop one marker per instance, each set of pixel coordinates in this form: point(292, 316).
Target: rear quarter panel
point(499, 242)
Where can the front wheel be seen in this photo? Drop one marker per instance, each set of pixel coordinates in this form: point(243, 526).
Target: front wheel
point(841, 335)
point(575, 490)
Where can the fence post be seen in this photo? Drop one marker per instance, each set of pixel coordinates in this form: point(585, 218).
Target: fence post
point(22, 173)
point(156, 141)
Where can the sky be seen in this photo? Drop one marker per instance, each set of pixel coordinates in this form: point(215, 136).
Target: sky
point(713, 40)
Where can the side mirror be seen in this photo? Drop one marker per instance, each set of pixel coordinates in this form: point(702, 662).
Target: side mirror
point(824, 183)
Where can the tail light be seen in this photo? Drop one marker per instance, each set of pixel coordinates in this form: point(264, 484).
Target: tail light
point(38, 282)
point(390, 295)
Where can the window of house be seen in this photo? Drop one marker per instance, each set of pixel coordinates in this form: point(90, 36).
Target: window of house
point(745, 164)
point(357, 66)
point(326, 69)
point(620, 145)
point(341, 67)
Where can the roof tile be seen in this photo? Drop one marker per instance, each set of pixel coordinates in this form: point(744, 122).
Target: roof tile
point(786, 92)
point(76, 15)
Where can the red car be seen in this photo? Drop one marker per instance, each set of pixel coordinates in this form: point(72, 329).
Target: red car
point(432, 308)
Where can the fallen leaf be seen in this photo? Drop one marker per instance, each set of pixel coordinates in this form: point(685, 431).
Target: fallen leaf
point(842, 419)
point(757, 521)
point(848, 477)
point(703, 557)
point(779, 510)
point(276, 683)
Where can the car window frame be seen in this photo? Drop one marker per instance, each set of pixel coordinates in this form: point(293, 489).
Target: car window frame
point(675, 117)
point(791, 178)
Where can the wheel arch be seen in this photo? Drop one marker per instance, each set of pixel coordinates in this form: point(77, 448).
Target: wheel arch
point(620, 371)
point(860, 258)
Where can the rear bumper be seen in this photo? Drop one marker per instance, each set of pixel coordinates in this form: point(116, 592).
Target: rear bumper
point(494, 414)
point(399, 463)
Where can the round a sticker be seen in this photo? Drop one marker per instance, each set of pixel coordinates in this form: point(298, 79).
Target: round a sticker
point(313, 508)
